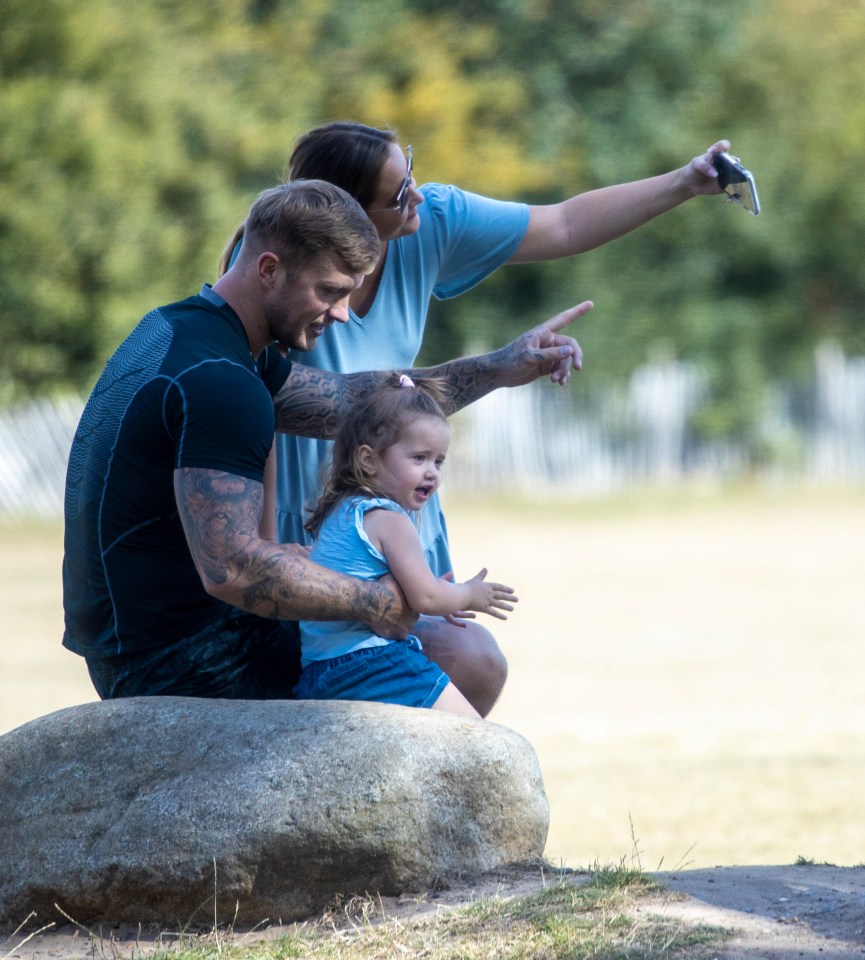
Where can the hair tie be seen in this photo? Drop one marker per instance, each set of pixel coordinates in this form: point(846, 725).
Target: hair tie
point(405, 381)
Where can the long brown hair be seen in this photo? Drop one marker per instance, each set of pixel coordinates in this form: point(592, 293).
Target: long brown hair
point(379, 421)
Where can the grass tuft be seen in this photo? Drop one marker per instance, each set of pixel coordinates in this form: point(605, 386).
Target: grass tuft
point(601, 914)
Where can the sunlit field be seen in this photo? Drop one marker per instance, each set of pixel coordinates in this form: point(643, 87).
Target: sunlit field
point(688, 667)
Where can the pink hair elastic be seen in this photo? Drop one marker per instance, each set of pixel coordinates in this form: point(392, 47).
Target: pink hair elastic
point(405, 381)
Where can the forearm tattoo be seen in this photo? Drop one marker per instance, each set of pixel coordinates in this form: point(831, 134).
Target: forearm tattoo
point(469, 378)
point(312, 403)
point(220, 513)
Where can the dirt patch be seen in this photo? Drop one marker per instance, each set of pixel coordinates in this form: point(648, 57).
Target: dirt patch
point(777, 913)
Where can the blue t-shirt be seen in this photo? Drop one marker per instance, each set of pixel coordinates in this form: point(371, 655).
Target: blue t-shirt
point(462, 239)
point(183, 390)
point(342, 544)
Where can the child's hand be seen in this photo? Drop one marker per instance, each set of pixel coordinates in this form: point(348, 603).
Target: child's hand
point(491, 598)
point(458, 617)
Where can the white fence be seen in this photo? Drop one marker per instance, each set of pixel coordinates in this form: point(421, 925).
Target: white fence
point(545, 440)
point(541, 441)
point(34, 448)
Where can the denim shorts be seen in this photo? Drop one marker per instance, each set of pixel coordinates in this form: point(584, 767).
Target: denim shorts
point(396, 672)
point(240, 657)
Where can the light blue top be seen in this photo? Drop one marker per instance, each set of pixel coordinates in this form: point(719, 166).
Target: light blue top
point(342, 545)
point(462, 239)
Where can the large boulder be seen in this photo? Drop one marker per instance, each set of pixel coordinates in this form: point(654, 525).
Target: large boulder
point(172, 810)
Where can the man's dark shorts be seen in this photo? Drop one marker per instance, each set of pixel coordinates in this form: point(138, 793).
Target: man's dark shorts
point(242, 657)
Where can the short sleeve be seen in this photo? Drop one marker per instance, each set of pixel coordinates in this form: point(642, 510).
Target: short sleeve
point(222, 417)
point(362, 506)
point(474, 235)
point(274, 369)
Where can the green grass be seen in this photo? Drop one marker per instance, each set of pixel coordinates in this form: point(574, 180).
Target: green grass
point(588, 915)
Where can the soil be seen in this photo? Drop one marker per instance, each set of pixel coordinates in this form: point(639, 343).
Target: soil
point(798, 912)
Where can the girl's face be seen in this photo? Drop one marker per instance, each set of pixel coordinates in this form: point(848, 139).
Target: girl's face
point(409, 472)
point(383, 211)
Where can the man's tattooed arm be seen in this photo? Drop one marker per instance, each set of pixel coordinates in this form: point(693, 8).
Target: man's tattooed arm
point(221, 512)
point(313, 402)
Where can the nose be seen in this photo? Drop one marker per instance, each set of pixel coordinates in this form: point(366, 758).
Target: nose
point(415, 197)
point(338, 313)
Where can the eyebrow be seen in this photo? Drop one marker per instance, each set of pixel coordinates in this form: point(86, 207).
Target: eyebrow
point(340, 289)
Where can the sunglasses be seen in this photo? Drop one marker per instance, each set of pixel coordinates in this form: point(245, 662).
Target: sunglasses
point(402, 197)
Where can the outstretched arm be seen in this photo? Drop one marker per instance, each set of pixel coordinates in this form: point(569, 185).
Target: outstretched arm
point(313, 402)
point(396, 537)
point(591, 219)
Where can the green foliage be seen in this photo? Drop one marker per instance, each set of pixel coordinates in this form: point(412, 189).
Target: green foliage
point(134, 137)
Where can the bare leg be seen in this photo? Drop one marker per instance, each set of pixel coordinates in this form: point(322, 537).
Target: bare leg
point(469, 655)
point(452, 701)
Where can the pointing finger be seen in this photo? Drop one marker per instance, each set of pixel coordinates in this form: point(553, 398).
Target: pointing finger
point(561, 320)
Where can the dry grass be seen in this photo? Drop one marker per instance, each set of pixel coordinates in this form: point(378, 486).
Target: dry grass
point(607, 913)
point(692, 664)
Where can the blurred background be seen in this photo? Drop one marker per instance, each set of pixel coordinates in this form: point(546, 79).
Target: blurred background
point(717, 430)
point(133, 140)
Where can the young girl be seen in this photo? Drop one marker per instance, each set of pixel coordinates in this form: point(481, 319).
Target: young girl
point(387, 462)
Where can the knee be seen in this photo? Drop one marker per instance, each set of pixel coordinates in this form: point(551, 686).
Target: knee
point(488, 655)
point(470, 656)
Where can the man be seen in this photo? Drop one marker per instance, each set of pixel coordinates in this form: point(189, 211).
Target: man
point(169, 586)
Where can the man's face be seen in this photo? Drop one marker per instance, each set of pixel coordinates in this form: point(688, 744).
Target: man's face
point(298, 310)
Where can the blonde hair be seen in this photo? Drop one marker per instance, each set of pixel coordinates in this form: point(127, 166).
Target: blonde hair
point(379, 421)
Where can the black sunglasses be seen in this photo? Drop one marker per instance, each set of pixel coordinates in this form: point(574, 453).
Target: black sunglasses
point(402, 197)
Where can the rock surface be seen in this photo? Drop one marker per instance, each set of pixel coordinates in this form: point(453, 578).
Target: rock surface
point(176, 810)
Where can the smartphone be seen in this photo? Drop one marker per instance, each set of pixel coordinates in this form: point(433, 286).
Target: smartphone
point(736, 181)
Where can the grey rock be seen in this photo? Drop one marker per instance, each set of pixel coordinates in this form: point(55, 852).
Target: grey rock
point(175, 810)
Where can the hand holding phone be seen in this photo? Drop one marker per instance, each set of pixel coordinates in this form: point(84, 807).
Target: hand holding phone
point(736, 181)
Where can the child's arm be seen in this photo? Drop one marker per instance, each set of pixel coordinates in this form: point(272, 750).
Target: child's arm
point(395, 535)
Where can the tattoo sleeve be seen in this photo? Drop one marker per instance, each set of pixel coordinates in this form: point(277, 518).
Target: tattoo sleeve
point(313, 402)
point(470, 378)
point(220, 513)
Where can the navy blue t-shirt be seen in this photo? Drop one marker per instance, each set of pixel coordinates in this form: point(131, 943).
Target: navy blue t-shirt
point(183, 390)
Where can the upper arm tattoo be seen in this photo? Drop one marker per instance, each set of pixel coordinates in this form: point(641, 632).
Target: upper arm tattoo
point(220, 513)
point(312, 403)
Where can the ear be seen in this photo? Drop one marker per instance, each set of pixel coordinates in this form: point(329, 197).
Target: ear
point(366, 460)
point(268, 268)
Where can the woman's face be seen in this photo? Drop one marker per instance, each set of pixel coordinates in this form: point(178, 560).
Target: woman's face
point(384, 210)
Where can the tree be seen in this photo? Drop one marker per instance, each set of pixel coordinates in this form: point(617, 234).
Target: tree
point(133, 139)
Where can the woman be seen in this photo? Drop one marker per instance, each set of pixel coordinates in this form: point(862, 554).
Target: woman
point(438, 240)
